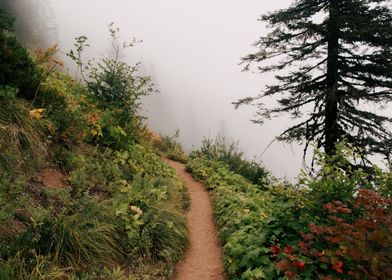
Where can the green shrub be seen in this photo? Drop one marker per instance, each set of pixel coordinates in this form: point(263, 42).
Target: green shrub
point(17, 69)
point(81, 167)
point(136, 179)
point(163, 235)
point(326, 227)
point(248, 219)
point(154, 229)
point(116, 87)
point(220, 149)
point(170, 147)
point(62, 99)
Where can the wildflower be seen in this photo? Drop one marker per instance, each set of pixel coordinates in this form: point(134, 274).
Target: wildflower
point(275, 249)
point(136, 210)
point(283, 265)
point(290, 274)
point(300, 265)
point(337, 266)
point(288, 250)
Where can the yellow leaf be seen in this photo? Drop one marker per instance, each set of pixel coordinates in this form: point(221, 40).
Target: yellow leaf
point(97, 131)
point(37, 113)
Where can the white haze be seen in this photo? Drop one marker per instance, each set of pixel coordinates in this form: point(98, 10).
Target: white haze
point(192, 50)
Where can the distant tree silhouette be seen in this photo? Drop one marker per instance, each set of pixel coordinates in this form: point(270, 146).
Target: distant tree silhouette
point(34, 22)
point(6, 21)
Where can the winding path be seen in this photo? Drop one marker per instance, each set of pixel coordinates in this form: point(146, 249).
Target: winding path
point(203, 259)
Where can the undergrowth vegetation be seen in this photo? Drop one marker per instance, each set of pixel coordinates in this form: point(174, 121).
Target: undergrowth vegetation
point(83, 193)
point(336, 225)
point(170, 147)
point(228, 152)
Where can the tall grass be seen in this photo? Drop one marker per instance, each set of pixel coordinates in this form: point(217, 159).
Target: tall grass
point(81, 242)
point(171, 147)
point(71, 241)
point(230, 153)
point(155, 228)
point(22, 140)
point(16, 268)
point(164, 235)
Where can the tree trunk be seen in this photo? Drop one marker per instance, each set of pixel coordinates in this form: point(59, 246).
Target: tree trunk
point(331, 109)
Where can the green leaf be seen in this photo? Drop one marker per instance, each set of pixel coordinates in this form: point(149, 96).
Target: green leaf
point(258, 273)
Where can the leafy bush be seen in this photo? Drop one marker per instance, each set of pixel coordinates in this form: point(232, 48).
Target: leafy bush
point(170, 147)
point(332, 226)
point(153, 232)
point(114, 86)
point(107, 131)
point(114, 83)
point(154, 228)
point(353, 243)
point(62, 99)
point(248, 219)
point(220, 149)
point(144, 210)
point(347, 219)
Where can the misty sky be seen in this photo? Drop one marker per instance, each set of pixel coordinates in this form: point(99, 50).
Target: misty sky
point(192, 50)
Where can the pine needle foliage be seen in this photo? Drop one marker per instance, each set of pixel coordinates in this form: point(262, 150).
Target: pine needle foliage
point(6, 21)
point(332, 60)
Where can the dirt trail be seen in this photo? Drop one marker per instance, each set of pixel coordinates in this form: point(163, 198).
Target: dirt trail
point(203, 259)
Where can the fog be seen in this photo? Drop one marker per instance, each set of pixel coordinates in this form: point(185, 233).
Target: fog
point(192, 50)
point(35, 22)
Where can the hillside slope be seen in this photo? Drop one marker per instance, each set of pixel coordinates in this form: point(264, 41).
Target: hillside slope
point(83, 192)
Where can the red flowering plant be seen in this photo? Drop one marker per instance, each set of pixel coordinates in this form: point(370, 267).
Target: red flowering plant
point(354, 243)
point(288, 263)
point(347, 215)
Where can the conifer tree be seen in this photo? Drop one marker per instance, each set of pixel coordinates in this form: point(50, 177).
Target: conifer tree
point(332, 62)
point(6, 21)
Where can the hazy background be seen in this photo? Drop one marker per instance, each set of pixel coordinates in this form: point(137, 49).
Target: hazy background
point(192, 49)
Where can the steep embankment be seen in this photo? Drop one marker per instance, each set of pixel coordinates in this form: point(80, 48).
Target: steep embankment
point(204, 257)
point(83, 193)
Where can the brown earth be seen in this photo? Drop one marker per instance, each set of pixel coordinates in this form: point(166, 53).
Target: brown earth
point(11, 228)
point(48, 178)
point(52, 178)
point(203, 260)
